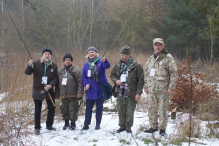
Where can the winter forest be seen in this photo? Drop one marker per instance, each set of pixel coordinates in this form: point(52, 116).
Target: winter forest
point(189, 28)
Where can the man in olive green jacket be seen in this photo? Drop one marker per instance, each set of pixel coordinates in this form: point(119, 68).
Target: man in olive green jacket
point(69, 88)
point(160, 80)
point(128, 76)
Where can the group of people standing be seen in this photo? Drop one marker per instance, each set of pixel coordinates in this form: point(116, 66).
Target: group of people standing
point(158, 81)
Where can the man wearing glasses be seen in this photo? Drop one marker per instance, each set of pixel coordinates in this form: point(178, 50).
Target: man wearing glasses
point(160, 80)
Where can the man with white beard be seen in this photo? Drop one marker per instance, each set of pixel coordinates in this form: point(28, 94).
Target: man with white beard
point(45, 77)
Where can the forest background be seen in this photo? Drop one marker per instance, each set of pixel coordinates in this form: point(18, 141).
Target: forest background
point(77, 24)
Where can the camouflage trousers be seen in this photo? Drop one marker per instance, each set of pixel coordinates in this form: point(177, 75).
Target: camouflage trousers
point(69, 108)
point(125, 107)
point(157, 107)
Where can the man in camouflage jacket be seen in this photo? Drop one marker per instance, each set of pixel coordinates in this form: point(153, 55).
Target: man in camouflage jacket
point(160, 80)
point(128, 76)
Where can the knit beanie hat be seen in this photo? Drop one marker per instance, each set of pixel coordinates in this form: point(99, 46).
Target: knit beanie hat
point(92, 49)
point(125, 50)
point(67, 56)
point(47, 50)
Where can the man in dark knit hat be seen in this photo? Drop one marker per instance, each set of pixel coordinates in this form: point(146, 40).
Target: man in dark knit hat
point(128, 77)
point(45, 78)
point(69, 88)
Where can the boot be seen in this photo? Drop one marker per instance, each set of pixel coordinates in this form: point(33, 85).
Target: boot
point(37, 131)
point(66, 126)
point(86, 127)
point(151, 130)
point(162, 132)
point(120, 130)
point(97, 127)
point(51, 128)
point(73, 125)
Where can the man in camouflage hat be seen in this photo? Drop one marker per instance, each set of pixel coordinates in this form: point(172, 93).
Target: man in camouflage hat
point(160, 80)
point(128, 76)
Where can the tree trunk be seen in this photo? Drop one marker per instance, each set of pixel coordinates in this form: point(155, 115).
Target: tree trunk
point(3, 31)
point(68, 45)
point(80, 39)
point(212, 37)
point(91, 23)
point(22, 9)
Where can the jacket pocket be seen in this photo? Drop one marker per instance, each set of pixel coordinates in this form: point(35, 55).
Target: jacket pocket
point(161, 84)
point(161, 79)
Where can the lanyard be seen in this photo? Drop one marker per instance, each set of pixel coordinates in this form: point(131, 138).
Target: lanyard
point(65, 74)
point(130, 61)
point(46, 65)
point(155, 61)
point(93, 62)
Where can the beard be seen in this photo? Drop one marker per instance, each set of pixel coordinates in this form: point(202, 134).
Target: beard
point(47, 59)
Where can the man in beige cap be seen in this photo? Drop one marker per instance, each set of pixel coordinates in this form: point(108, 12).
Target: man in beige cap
point(160, 80)
point(128, 76)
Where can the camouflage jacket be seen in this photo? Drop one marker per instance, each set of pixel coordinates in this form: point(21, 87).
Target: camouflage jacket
point(135, 78)
point(166, 73)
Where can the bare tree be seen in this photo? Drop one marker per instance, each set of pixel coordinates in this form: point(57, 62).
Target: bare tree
point(3, 31)
point(91, 21)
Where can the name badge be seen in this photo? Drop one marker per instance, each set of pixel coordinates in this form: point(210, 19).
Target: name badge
point(64, 81)
point(152, 73)
point(123, 78)
point(89, 73)
point(44, 80)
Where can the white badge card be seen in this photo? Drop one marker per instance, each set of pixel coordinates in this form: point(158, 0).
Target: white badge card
point(88, 73)
point(152, 73)
point(123, 78)
point(44, 80)
point(64, 81)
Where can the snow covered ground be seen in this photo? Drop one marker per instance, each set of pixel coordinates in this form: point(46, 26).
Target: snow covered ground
point(3, 95)
point(107, 134)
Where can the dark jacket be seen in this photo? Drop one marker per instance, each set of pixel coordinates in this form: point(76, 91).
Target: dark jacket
point(74, 87)
point(94, 91)
point(38, 72)
point(135, 78)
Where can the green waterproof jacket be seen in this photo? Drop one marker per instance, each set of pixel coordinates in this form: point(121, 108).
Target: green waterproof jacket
point(135, 78)
point(165, 75)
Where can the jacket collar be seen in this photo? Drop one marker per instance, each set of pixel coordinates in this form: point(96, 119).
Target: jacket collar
point(70, 68)
point(133, 64)
point(161, 55)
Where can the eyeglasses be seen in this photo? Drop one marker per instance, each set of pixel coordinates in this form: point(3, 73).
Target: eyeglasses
point(158, 45)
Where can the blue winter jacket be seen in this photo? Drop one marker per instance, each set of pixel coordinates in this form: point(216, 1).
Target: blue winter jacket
point(94, 91)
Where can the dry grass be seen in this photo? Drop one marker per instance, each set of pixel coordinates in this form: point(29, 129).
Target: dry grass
point(183, 130)
point(204, 67)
